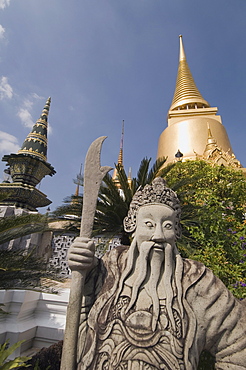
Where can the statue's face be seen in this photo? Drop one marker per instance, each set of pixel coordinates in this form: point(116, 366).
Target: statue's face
point(155, 222)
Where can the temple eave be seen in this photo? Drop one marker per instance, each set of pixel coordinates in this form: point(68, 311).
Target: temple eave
point(23, 196)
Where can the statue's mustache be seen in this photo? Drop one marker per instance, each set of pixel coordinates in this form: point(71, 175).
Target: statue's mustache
point(161, 245)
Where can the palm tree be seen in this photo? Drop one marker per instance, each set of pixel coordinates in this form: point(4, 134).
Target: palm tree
point(13, 227)
point(22, 268)
point(16, 226)
point(71, 212)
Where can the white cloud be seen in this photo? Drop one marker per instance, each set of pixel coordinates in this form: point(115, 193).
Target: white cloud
point(37, 97)
point(25, 117)
point(4, 3)
point(24, 113)
point(8, 143)
point(50, 130)
point(2, 31)
point(6, 90)
point(27, 103)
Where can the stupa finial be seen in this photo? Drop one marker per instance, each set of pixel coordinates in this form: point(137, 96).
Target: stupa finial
point(36, 141)
point(186, 95)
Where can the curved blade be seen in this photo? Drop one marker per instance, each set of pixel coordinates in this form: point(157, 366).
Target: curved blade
point(93, 175)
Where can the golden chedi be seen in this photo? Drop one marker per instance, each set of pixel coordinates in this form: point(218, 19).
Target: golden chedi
point(194, 131)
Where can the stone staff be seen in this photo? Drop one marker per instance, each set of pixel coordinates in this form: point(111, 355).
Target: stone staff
point(93, 175)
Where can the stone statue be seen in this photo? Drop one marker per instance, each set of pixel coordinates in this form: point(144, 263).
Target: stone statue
point(145, 307)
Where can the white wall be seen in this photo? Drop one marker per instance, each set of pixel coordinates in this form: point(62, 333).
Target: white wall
point(37, 317)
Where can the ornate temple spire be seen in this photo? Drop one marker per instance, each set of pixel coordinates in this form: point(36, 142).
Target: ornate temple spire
point(211, 139)
point(78, 181)
point(211, 142)
point(28, 167)
point(194, 129)
point(36, 141)
point(186, 95)
point(120, 157)
point(217, 155)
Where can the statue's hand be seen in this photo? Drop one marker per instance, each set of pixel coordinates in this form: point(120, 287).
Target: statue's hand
point(81, 254)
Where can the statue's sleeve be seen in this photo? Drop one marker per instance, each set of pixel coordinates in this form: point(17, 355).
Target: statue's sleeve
point(220, 320)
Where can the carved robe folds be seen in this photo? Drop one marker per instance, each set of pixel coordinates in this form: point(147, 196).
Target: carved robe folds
point(111, 339)
point(127, 341)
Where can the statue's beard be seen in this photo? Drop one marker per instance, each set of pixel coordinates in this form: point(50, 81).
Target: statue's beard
point(152, 262)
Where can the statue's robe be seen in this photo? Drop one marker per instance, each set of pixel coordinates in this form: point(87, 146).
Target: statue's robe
point(213, 319)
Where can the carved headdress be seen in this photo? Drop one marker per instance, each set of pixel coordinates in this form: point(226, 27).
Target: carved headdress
point(155, 193)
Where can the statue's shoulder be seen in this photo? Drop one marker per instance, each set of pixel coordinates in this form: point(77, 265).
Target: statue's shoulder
point(116, 256)
point(192, 272)
point(197, 275)
point(193, 266)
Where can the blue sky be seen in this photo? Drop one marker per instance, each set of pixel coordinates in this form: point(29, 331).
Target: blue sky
point(102, 61)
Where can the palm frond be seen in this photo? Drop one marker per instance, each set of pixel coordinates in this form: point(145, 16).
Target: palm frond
point(142, 175)
point(134, 186)
point(124, 185)
point(156, 169)
point(165, 170)
point(14, 227)
point(72, 206)
point(20, 269)
point(108, 192)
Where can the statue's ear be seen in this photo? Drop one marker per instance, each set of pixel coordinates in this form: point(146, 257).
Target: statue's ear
point(129, 224)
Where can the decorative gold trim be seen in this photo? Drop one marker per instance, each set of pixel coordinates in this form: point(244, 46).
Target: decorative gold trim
point(37, 135)
point(33, 152)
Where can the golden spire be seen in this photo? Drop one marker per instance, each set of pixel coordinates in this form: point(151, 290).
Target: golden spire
point(129, 177)
point(211, 141)
point(120, 157)
point(186, 95)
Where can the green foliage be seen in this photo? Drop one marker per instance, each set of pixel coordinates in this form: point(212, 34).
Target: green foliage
point(47, 358)
point(20, 268)
point(14, 227)
point(111, 208)
point(215, 236)
point(6, 351)
point(206, 361)
point(71, 212)
point(23, 270)
point(37, 367)
point(72, 206)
